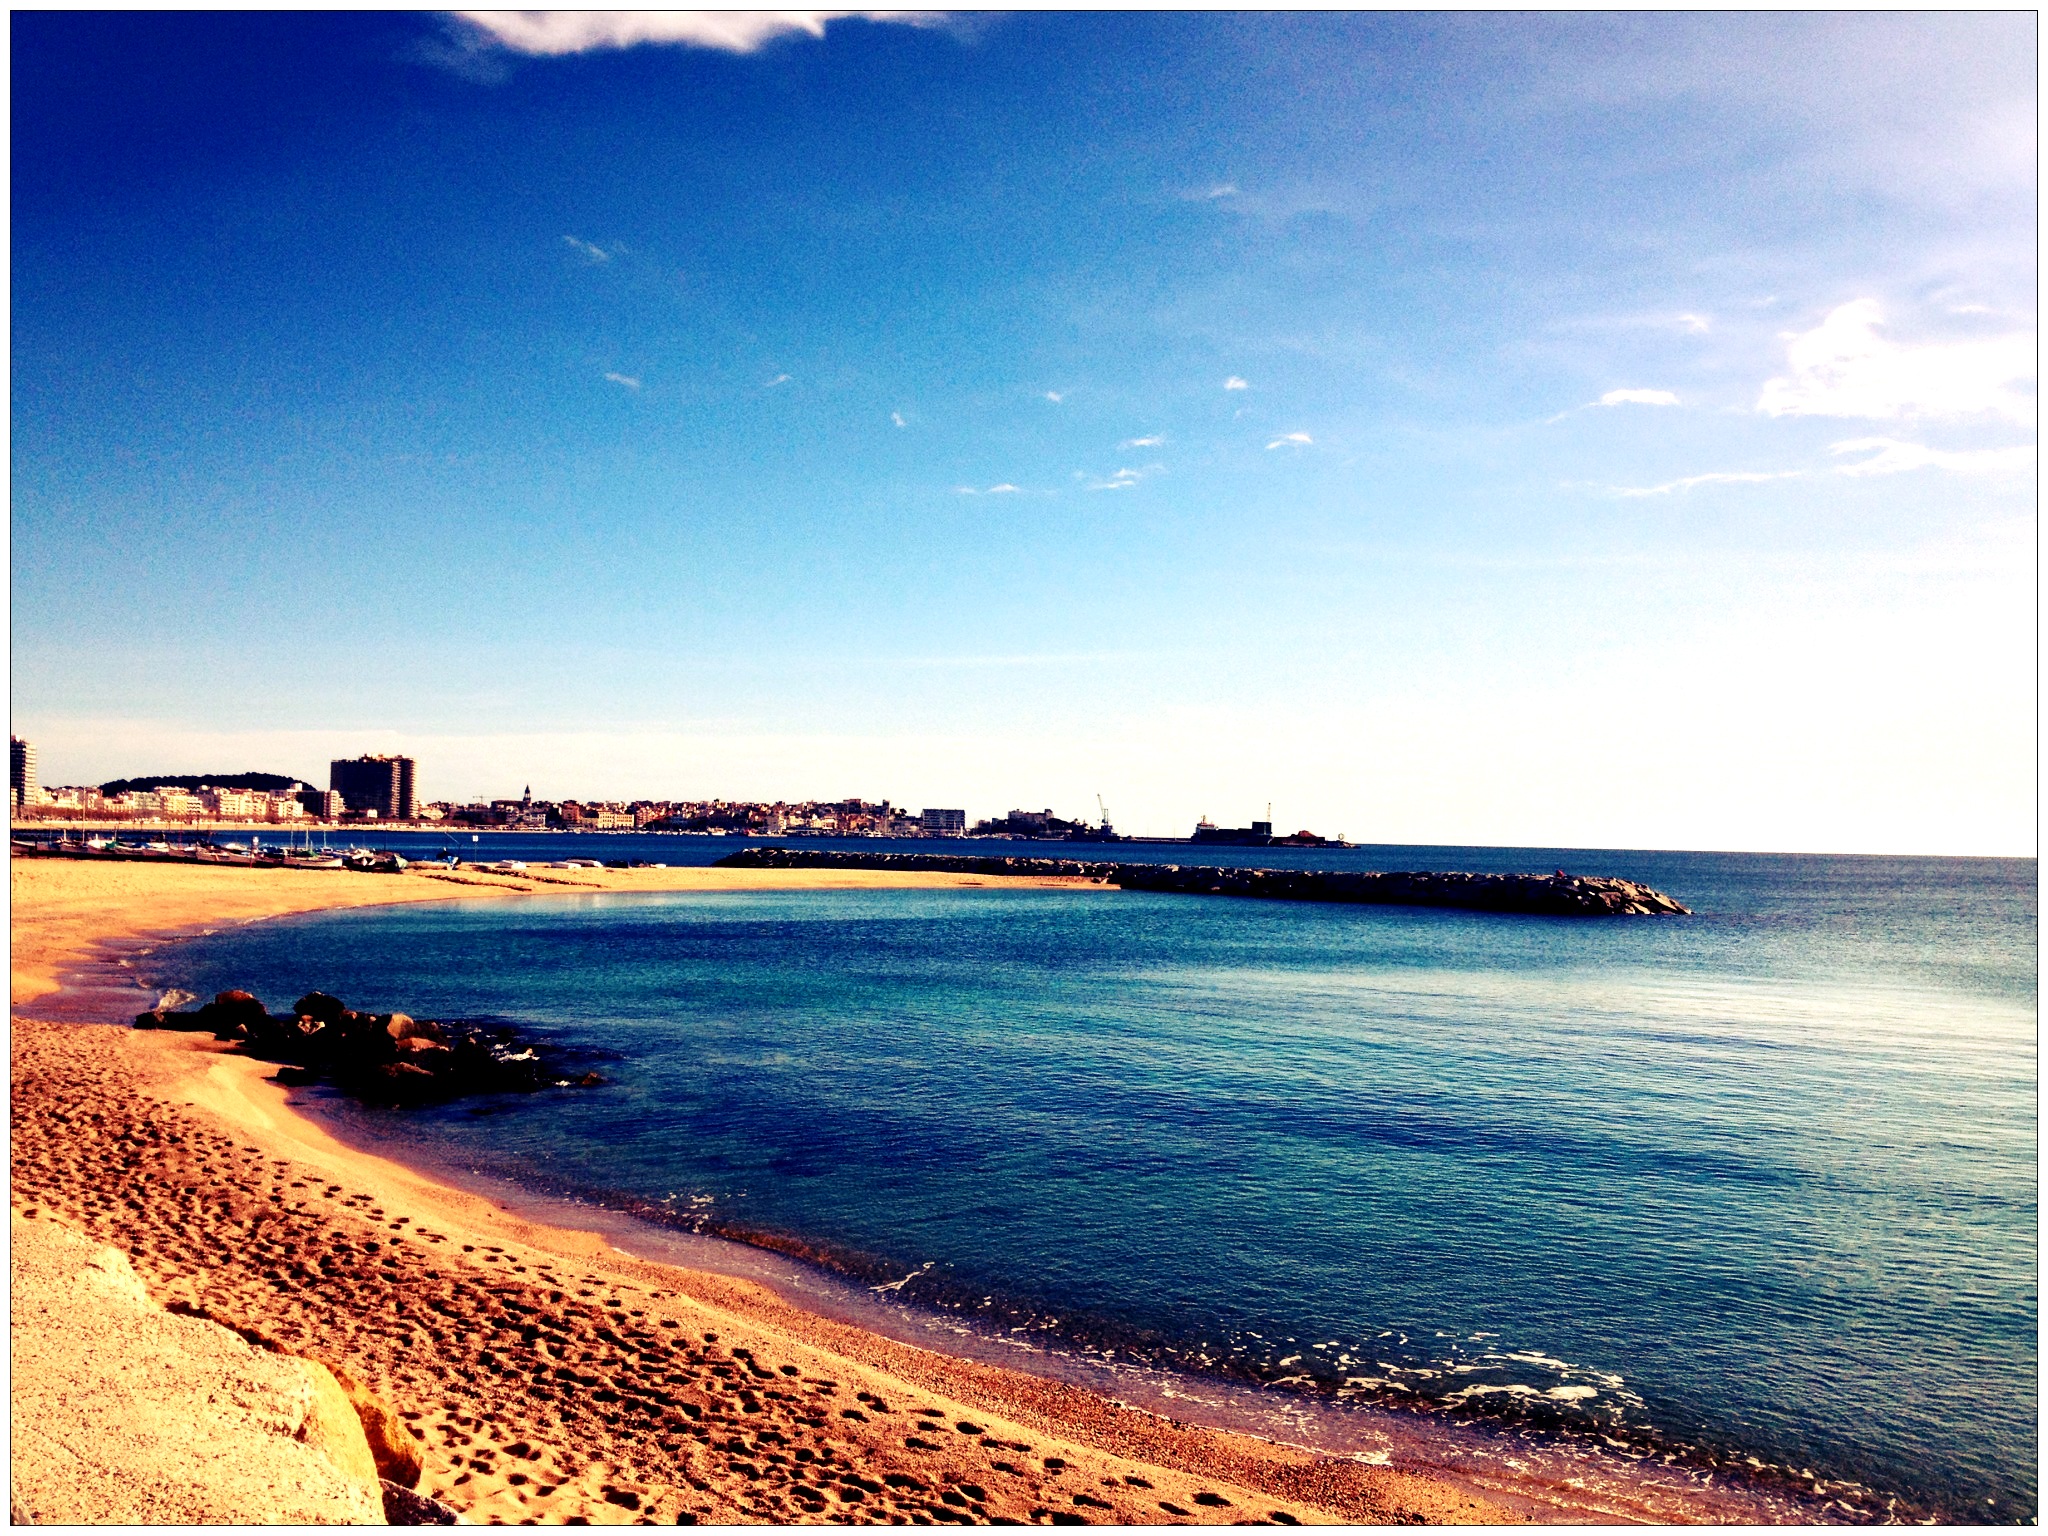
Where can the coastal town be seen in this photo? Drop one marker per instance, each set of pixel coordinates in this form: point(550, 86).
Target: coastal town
point(381, 792)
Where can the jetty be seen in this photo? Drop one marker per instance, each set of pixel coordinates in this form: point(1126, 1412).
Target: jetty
point(1555, 895)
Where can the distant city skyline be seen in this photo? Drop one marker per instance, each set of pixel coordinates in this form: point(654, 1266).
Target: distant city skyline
point(1586, 430)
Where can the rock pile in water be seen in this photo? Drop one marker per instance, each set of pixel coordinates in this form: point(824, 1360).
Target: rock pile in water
point(385, 1057)
point(1556, 895)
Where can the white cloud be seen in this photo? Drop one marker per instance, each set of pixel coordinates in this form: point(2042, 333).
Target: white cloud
point(1889, 456)
point(1718, 477)
point(597, 255)
point(897, 417)
point(1692, 325)
point(1291, 440)
point(1143, 442)
point(1210, 193)
point(625, 379)
point(1639, 397)
point(1005, 489)
point(1234, 382)
point(780, 378)
point(554, 33)
point(1122, 480)
point(1844, 367)
point(1054, 396)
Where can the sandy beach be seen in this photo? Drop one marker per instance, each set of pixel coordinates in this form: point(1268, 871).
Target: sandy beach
point(546, 1376)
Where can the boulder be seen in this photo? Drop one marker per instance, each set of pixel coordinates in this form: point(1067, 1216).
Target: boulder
point(402, 1506)
point(321, 1006)
point(155, 1019)
point(332, 1425)
point(401, 1082)
point(403, 1026)
point(395, 1452)
point(126, 1414)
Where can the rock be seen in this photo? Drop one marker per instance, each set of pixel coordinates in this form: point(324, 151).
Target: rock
point(390, 1058)
point(402, 1506)
point(1538, 895)
point(403, 1026)
point(394, 1451)
point(333, 1427)
point(319, 1005)
point(165, 1020)
point(125, 1414)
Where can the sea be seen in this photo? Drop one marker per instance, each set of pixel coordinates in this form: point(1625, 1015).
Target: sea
point(1744, 1201)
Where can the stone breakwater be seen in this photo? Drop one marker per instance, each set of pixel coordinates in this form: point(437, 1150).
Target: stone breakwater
point(1537, 895)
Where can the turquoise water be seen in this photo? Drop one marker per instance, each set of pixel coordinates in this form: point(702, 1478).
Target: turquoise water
point(1760, 1182)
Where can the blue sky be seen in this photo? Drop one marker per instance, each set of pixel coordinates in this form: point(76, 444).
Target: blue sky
point(1586, 430)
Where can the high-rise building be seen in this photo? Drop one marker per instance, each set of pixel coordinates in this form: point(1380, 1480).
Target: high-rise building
point(21, 771)
point(941, 823)
point(323, 803)
point(380, 786)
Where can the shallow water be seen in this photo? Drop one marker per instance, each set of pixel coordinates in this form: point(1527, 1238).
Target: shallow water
point(1759, 1182)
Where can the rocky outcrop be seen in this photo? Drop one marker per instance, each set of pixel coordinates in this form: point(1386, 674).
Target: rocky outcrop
point(386, 1057)
point(125, 1414)
point(1558, 895)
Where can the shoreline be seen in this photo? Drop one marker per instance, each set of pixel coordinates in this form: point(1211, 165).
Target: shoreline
point(1159, 1452)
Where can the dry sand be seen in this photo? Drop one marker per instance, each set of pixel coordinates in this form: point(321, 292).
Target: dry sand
point(547, 1377)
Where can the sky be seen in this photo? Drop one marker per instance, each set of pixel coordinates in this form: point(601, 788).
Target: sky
point(1601, 430)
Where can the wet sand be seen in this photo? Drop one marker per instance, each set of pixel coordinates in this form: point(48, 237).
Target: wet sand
point(547, 1376)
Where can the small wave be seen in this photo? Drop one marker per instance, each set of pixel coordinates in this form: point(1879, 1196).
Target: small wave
point(897, 1285)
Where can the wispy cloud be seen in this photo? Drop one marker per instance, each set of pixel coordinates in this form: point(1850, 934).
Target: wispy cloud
point(596, 255)
point(1144, 442)
point(1889, 456)
point(1880, 456)
point(1845, 367)
point(1291, 440)
point(780, 378)
point(551, 34)
point(1234, 382)
point(1210, 193)
point(626, 379)
point(1005, 489)
point(897, 417)
point(1718, 477)
point(1123, 479)
point(1617, 397)
point(1054, 396)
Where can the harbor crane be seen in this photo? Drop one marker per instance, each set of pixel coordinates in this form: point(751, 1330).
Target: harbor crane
point(1105, 812)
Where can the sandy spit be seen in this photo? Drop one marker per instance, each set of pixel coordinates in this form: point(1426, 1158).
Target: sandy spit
point(547, 1377)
